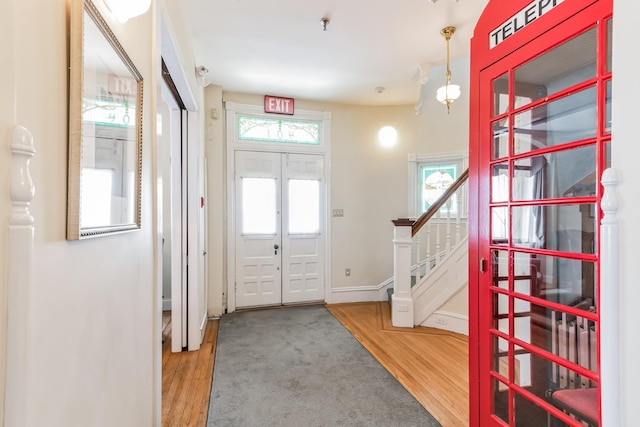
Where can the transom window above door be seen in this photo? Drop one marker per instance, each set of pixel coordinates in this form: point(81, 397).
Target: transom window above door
point(278, 130)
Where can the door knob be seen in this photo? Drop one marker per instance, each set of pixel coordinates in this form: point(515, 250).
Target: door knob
point(276, 247)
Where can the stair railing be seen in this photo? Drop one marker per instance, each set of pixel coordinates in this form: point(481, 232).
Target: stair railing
point(408, 238)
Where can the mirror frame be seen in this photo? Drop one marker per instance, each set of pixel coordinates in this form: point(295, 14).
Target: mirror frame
point(75, 231)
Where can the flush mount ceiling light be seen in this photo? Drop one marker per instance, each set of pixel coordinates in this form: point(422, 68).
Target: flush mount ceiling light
point(448, 93)
point(124, 10)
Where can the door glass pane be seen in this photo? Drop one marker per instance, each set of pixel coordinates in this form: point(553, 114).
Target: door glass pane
point(500, 225)
point(607, 122)
point(258, 206)
point(501, 401)
point(500, 183)
point(607, 155)
point(501, 312)
point(562, 280)
point(568, 173)
point(609, 43)
point(304, 206)
point(501, 356)
point(500, 138)
point(501, 95)
point(567, 228)
point(500, 262)
point(568, 64)
point(527, 413)
point(567, 119)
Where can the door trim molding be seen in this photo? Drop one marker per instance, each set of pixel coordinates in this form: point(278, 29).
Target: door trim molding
point(234, 144)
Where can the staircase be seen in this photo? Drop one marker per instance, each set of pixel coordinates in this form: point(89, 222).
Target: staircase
point(431, 258)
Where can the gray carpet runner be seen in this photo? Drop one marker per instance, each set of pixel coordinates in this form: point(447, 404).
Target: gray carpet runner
point(300, 367)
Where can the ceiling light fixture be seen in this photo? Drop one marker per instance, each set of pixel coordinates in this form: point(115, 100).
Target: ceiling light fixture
point(324, 22)
point(124, 10)
point(201, 75)
point(448, 93)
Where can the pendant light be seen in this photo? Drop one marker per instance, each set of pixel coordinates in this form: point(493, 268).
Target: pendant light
point(448, 93)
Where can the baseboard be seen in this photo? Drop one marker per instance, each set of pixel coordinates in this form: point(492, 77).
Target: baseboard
point(448, 321)
point(166, 305)
point(357, 294)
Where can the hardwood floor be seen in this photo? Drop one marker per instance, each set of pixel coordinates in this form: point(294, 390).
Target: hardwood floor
point(431, 364)
point(186, 379)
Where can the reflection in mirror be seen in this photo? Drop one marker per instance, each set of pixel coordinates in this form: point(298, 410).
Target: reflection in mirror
point(105, 132)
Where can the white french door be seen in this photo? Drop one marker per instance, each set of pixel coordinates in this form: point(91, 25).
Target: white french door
point(279, 228)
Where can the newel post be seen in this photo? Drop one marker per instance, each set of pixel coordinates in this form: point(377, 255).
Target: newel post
point(610, 302)
point(20, 264)
point(401, 301)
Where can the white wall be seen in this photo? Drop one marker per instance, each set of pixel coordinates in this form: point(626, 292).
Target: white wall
point(215, 151)
point(93, 303)
point(625, 157)
point(7, 120)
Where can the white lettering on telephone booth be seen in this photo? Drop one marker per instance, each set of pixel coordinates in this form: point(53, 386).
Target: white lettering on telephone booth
point(520, 20)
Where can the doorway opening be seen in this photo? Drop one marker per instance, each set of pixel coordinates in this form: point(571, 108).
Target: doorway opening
point(278, 190)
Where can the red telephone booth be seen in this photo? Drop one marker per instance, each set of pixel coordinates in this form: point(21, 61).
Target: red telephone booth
point(540, 139)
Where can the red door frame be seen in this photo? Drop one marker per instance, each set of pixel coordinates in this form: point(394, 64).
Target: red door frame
point(542, 34)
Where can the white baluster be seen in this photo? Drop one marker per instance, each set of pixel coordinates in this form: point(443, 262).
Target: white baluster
point(438, 238)
point(418, 259)
point(428, 252)
point(458, 213)
point(448, 236)
point(610, 302)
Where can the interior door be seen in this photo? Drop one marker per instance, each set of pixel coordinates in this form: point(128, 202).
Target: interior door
point(279, 228)
point(546, 141)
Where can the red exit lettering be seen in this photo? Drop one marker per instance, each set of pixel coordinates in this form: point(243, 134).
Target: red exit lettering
point(278, 105)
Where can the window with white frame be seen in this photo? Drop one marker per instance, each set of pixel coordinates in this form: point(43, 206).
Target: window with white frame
point(430, 176)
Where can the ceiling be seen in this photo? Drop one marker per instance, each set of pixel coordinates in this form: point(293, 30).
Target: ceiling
point(279, 47)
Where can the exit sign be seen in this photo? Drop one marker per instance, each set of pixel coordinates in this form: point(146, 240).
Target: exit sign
point(278, 105)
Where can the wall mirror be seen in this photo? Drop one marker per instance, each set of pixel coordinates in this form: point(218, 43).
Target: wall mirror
point(105, 129)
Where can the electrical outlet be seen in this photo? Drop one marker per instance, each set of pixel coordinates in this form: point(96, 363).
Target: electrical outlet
point(338, 212)
point(347, 272)
point(441, 321)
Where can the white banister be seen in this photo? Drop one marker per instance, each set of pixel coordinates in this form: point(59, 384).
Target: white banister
point(401, 301)
point(610, 303)
point(432, 252)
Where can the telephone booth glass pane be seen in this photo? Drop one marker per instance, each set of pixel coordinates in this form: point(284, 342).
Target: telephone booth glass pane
point(609, 43)
point(500, 139)
point(501, 95)
point(567, 173)
point(558, 69)
point(607, 118)
point(568, 119)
